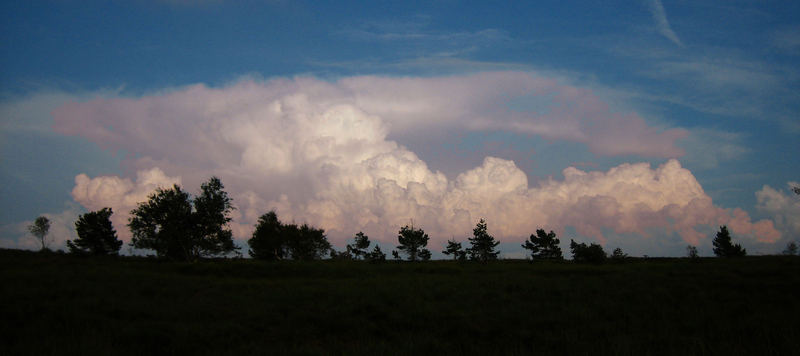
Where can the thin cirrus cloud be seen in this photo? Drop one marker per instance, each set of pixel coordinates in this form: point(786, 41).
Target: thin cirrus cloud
point(318, 152)
point(662, 24)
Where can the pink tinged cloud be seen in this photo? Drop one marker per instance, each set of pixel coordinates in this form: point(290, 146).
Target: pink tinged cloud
point(318, 152)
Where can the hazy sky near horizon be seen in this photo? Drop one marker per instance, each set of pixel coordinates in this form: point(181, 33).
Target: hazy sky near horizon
point(642, 124)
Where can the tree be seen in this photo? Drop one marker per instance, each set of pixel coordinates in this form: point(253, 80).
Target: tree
point(273, 240)
point(40, 228)
point(618, 255)
point(582, 253)
point(395, 255)
point(177, 227)
point(359, 247)
point(691, 252)
point(723, 247)
point(267, 241)
point(791, 249)
point(543, 246)
point(483, 244)
point(212, 214)
point(96, 234)
point(412, 242)
point(454, 248)
point(376, 255)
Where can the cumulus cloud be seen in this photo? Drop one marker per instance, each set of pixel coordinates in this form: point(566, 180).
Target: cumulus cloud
point(783, 207)
point(318, 152)
point(660, 17)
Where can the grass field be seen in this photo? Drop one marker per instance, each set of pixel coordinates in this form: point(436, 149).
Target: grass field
point(61, 304)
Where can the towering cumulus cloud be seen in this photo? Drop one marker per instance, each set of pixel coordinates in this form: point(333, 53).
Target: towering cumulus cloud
point(318, 152)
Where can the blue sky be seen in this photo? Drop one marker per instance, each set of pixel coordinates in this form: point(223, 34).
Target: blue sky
point(713, 85)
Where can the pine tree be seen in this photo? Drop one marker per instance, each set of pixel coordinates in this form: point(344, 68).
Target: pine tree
point(412, 242)
point(96, 234)
point(483, 244)
point(454, 248)
point(359, 247)
point(376, 255)
point(723, 247)
point(544, 246)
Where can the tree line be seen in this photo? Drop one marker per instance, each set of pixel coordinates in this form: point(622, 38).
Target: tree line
point(177, 226)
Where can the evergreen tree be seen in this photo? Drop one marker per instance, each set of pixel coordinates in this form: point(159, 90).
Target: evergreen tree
point(483, 244)
point(724, 247)
point(359, 247)
point(412, 242)
point(96, 234)
point(543, 246)
point(454, 249)
point(40, 228)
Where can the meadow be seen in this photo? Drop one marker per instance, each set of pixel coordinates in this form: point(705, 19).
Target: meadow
point(63, 305)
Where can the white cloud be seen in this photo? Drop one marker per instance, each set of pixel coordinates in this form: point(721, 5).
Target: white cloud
point(784, 208)
point(660, 17)
point(318, 152)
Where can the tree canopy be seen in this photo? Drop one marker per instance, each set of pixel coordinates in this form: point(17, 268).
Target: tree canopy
point(96, 234)
point(273, 240)
point(177, 227)
point(543, 246)
point(483, 244)
point(592, 253)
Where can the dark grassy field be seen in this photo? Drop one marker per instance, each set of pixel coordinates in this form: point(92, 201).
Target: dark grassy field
point(57, 304)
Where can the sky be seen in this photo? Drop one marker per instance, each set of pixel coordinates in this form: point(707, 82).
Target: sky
point(643, 125)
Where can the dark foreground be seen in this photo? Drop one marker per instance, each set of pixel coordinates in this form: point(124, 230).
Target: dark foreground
point(56, 304)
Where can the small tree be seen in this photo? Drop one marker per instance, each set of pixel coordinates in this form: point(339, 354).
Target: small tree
point(618, 255)
point(40, 228)
point(359, 247)
point(395, 255)
point(412, 242)
point(376, 255)
point(483, 244)
point(543, 246)
point(691, 252)
point(791, 249)
point(454, 249)
point(96, 234)
point(582, 253)
point(723, 247)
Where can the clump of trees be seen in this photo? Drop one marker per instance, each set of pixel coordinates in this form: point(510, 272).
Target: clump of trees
point(543, 246)
point(273, 240)
point(724, 247)
point(39, 229)
point(176, 226)
point(96, 234)
point(582, 253)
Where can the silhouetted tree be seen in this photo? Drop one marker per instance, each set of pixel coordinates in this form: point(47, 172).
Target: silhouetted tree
point(395, 255)
point(40, 228)
point(796, 190)
point(791, 249)
point(543, 246)
point(454, 249)
point(359, 247)
point(582, 253)
point(376, 255)
point(96, 234)
point(267, 241)
point(483, 244)
point(273, 240)
point(412, 242)
point(305, 242)
point(723, 247)
point(212, 209)
point(177, 227)
point(618, 255)
point(691, 251)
